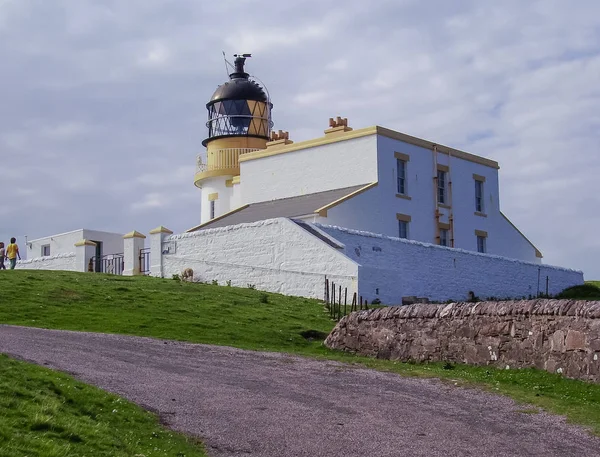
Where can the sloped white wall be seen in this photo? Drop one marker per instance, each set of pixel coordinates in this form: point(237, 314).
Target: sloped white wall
point(275, 255)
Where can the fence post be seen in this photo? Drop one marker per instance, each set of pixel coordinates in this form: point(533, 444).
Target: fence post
point(157, 237)
point(132, 243)
point(84, 251)
point(345, 299)
point(332, 310)
point(339, 314)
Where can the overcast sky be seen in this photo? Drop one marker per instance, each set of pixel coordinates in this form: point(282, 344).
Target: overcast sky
point(102, 102)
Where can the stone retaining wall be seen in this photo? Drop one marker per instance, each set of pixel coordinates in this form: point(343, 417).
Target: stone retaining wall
point(560, 336)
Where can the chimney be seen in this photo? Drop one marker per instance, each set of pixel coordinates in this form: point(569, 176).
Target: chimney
point(279, 138)
point(337, 126)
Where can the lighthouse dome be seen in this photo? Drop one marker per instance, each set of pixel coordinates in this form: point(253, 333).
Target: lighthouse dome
point(239, 107)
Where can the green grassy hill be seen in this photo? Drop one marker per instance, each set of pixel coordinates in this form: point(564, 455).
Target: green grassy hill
point(161, 308)
point(249, 319)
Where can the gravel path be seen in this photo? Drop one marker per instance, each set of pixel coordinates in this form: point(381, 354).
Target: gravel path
point(244, 403)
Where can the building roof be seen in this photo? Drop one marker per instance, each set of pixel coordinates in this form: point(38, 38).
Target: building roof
point(375, 130)
point(291, 207)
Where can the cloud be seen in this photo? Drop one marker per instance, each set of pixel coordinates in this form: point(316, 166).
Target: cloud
point(103, 102)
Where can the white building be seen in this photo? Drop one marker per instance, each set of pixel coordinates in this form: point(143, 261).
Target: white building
point(107, 243)
point(371, 179)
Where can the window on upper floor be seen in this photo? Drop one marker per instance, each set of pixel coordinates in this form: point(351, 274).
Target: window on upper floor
point(443, 237)
point(481, 243)
point(479, 196)
point(403, 229)
point(441, 187)
point(401, 174)
point(45, 250)
point(212, 209)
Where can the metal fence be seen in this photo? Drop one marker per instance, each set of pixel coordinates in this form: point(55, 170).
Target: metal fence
point(110, 264)
point(337, 306)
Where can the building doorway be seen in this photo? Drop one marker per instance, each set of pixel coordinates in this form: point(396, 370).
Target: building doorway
point(98, 257)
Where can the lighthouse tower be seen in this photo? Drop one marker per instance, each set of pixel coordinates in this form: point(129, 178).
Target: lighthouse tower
point(239, 122)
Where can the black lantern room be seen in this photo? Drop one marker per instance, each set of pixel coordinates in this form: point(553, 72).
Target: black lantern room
point(239, 107)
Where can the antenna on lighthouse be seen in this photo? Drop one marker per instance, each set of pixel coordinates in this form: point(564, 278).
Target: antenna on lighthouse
point(228, 65)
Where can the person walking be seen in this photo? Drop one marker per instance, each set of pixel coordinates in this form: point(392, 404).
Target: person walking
point(2, 256)
point(12, 252)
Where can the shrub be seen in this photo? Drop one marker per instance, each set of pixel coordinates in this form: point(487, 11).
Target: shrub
point(176, 277)
point(583, 291)
point(215, 282)
point(251, 286)
point(263, 298)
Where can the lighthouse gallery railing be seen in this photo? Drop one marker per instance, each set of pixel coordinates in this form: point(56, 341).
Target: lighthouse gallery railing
point(221, 159)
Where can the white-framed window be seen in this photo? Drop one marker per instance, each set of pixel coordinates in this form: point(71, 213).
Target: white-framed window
point(479, 196)
point(402, 229)
point(443, 237)
point(401, 174)
point(441, 187)
point(45, 250)
point(481, 244)
point(212, 209)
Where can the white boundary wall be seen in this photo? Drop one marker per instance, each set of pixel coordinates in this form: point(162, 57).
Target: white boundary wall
point(66, 262)
point(275, 255)
point(392, 268)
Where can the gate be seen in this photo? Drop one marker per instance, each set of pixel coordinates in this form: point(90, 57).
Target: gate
point(145, 261)
point(111, 263)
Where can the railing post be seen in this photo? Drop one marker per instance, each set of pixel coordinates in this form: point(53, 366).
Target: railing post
point(132, 243)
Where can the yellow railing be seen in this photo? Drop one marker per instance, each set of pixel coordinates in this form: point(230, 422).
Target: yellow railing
point(221, 159)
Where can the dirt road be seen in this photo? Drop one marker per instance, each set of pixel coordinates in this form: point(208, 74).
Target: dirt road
point(244, 403)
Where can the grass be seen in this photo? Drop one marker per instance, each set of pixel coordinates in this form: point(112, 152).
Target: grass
point(45, 413)
point(249, 319)
point(161, 308)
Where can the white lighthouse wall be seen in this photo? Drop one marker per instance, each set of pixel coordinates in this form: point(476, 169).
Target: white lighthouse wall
point(305, 171)
point(223, 203)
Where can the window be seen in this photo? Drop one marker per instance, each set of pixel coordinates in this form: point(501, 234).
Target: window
point(481, 240)
point(403, 222)
point(401, 173)
point(479, 196)
point(443, 237)
point(45, 250)
point(402, 229)
point(441, 187)
point(212, 209)
point(480, 243)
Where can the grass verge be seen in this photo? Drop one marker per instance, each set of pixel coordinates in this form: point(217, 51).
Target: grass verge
point(248, 319)
point(45, 413)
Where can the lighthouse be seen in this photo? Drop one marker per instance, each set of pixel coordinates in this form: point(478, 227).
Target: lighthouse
point(239, 122)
